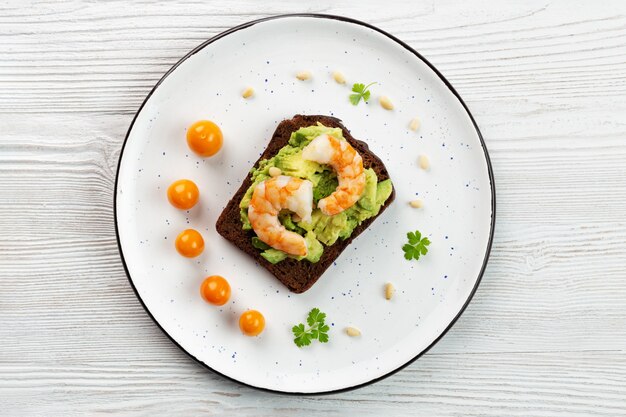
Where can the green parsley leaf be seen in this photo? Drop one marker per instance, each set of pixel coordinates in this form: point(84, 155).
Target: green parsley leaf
point(317, 329)
point(414, 237)
point(358, 87)
point(302, 337)
point(416, 247)
point(315, 316)
point(360, 92)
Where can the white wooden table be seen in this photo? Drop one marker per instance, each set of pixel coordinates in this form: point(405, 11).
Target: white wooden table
point(546, 331)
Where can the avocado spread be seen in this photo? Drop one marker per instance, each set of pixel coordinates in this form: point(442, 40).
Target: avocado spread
point(323, 229)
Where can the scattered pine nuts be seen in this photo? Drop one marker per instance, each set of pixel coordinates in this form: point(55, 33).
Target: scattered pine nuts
point(424, 162)
point(386, 103)
point(353, 331)
point(248, 92)
point(274, 172)
point(416, 203)
point(303, 75)
point(415, 124)
point(389, 290)
point(338, 77)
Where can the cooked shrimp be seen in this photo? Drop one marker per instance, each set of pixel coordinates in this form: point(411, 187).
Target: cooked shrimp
point(268, 199)
point(347, 163)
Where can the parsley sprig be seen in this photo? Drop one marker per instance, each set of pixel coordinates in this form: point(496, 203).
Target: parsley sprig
point(360, 92)
point(317, 329)
point(416, 246)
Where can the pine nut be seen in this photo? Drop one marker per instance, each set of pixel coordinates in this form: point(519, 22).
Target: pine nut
point(338, 77)
point(353, 331)
point(415, 124)
point(424, 162)
point(274, 172)
point(303, 75)
point(386, 103)
point(248, 92)
point(389, 290)
point(416, 203)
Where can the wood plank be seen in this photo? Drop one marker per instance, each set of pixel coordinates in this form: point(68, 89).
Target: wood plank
point(556, 256)
point(514, 384)
point(107, 59)
point(546, 331)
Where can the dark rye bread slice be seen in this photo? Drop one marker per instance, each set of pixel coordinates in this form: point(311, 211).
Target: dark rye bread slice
point(296, 275)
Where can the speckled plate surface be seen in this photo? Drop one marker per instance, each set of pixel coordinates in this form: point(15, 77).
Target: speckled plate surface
point(458, 195)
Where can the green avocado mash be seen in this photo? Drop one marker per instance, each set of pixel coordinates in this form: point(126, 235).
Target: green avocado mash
point(322, 229)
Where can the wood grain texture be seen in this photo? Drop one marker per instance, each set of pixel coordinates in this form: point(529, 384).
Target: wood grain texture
point(546, 331)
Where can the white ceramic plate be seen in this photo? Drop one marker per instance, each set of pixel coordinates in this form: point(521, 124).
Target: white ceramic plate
point(458, 194)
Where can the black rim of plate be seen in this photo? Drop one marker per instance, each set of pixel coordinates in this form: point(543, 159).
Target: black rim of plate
point(443, 79)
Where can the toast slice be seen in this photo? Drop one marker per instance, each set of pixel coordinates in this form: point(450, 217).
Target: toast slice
point(296, 275)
